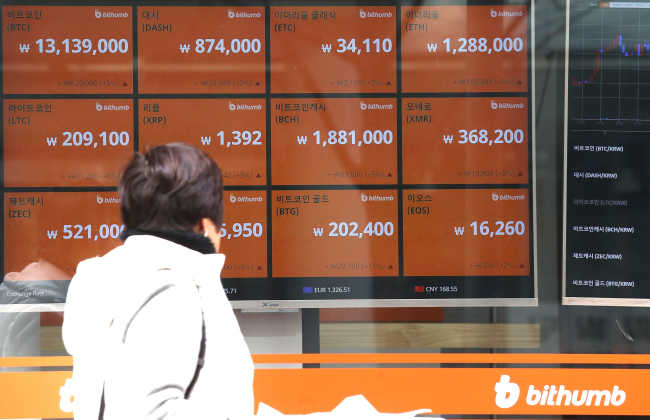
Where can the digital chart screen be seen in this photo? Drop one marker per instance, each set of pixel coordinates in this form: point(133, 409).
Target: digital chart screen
point(606, 170)
point(373, 154)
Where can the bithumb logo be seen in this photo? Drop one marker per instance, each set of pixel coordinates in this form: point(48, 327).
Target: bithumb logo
point(100, 15)
point(494, 14)
point(365, 106)
point(244, 199)
point(507, 197)
point(233, 15)
point(507, 395)
point(109, 200)
point(374, 14)
point(376, 198)
point(233, 107)
point(495, 105)
point(100, 107)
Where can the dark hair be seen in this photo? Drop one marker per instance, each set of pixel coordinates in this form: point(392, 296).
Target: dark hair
point(171, 187)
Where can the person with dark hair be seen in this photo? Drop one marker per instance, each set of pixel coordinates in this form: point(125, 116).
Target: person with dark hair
point(151, 331)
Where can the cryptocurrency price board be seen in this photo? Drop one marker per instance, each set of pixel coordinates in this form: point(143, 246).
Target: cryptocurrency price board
point(373, 154)
point(607, 123)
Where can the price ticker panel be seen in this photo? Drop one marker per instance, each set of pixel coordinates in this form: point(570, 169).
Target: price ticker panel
point(369, 152)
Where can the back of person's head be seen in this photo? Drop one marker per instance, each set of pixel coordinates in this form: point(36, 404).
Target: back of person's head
point(171, 187)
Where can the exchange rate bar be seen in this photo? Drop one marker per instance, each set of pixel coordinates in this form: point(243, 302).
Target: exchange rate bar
point(469, 49)
point(66, 142)
point(465, 141)
point(58, 230)
point(201, 50)
point(333, 49)
point(72, 49)
point(243, 234)
point(334, 141)
point(231, 131)
point(466, 232)
point(328, 233)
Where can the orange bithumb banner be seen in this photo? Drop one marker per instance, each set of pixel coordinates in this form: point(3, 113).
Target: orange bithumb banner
point(615, 392)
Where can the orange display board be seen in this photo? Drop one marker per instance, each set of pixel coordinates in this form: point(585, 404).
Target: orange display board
point(66, 142)
point(244, 234)
point(61, 228)
point(231, 131)
point(329, 233)
point(334, 141)
point(465, 140)
point(201, 49)
point(67, 49)
point(468, 49)
point(482, 232)
point(333, 49)
point(478, 391)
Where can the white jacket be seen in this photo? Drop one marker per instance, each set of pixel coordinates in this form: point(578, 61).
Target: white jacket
point(133, 325)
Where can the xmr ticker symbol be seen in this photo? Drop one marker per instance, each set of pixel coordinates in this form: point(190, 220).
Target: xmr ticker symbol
point(507, 392)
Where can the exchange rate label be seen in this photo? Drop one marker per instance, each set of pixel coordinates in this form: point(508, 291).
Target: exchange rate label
point(66, 142)
point(231, 131)
point(334, 141)
point(466, 232)
point(58, 230)
point(201, 50)
point(326, 233)
point(72, 49)
point(333, 49)
point(467, 48)
point(243, 234)
point(465, 141)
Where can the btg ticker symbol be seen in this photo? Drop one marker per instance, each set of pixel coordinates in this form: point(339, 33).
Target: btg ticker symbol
point(362, 13)
point(507, 392)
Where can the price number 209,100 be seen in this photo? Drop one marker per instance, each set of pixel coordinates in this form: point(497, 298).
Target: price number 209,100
point(77, 138)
